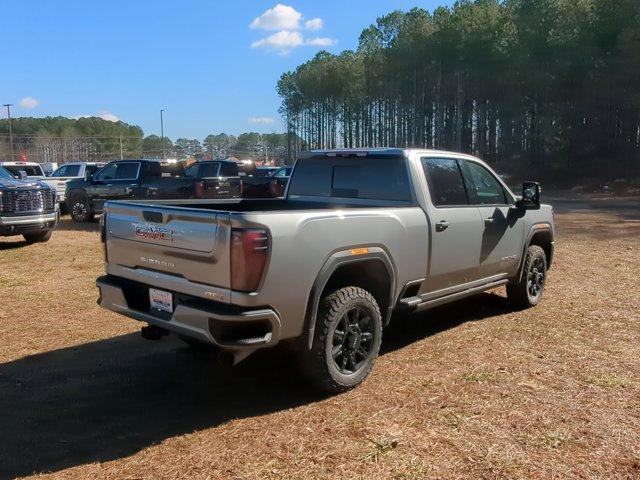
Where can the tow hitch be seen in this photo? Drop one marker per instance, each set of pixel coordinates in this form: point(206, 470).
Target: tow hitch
point(151, 332)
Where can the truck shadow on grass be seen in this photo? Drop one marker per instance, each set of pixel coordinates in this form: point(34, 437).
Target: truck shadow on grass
point(109, 399)
point(67, 224)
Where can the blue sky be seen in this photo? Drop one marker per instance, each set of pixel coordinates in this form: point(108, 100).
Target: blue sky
point(211, 64)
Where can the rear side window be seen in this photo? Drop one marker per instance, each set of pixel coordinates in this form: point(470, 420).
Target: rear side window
point(485, 188)
point(229, 170)
point(72, 171)
point(61, 172)
point(120, 171)
point(371, 177)
point(445, 181)
point(127, 171)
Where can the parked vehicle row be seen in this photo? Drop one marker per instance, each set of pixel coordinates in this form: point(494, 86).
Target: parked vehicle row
point(27, 207)
point(150, 180)
point(359, 235)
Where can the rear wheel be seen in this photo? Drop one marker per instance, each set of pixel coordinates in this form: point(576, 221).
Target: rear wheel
point(527, 291)
point(346, 340)
point(38, 237)
point(80, 209)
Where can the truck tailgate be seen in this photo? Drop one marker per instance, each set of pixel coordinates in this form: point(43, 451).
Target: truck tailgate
point(187, 249)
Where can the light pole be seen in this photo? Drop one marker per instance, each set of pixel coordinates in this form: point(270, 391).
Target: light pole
point(162, 133)
point(9, 105)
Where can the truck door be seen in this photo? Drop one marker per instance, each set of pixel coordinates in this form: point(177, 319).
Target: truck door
point(116, 181)
point(455, 229)
point(502, 229)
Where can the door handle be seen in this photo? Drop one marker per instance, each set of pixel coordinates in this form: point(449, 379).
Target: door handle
point(489, 221)
point(442, 225)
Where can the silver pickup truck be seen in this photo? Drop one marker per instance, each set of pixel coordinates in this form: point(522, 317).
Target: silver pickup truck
point(358, 235)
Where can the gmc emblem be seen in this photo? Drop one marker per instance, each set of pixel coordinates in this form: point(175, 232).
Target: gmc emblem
point(151, 232)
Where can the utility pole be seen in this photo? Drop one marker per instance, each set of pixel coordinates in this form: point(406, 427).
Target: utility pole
point(121, 155)
point(162, 133)
point(9, 105)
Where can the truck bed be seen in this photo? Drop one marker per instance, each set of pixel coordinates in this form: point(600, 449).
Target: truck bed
point(234, 205)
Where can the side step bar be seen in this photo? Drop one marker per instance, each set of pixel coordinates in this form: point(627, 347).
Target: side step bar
point(417, 304)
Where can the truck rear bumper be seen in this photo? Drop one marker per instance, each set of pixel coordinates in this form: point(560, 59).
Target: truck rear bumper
point(193, 317)
point(18, 225)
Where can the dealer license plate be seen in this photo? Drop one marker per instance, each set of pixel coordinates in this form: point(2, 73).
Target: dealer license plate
point(161, 300)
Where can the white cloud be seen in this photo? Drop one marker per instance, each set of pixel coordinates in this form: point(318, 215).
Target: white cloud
point(283, 41)
point(29, 103)
point(263, 120)
point(280, 17)
point(314, 24)
point(287, 20)
point(321, 42)
point(109, 117)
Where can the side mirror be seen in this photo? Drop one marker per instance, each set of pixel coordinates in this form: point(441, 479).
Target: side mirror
point(530, 196)
point(22, 175)
point(87, 176)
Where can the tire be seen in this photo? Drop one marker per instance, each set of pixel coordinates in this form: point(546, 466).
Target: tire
point(526, 292)
point(39, 237)
point(346, 341)
point(80, 209)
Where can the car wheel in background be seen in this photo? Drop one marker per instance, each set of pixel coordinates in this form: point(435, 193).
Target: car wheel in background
point(80, 210)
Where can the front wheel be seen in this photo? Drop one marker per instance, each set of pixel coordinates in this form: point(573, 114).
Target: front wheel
point(80, 209)
point(346, 341)
point(526, 292)
point(38, 237)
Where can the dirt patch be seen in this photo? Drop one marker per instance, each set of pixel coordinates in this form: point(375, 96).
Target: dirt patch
point(469, 390)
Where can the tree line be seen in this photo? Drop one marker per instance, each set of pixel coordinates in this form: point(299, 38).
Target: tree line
point(544, 85)
point(252, 145)
point(61, 139)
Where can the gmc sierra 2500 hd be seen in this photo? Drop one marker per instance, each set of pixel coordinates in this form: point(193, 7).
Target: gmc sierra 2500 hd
point(359, 234)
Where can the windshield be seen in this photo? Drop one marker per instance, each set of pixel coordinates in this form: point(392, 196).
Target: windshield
point(4, 174)
point(30, 170)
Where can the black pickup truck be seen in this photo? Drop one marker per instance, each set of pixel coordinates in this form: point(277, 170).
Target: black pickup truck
point(150, 180)
point(271, 185)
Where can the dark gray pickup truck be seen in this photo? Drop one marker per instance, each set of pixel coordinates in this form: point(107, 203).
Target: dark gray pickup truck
point(359, 235)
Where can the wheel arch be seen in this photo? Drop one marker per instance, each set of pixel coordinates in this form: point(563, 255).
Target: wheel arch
point(541, 235)
point(373, 271)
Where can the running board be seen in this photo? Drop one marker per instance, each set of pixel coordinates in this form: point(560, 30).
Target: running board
point(417, 304)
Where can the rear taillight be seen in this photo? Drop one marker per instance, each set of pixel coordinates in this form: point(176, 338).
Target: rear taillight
point(249, 252)
point(241, 187)
point(103, 235)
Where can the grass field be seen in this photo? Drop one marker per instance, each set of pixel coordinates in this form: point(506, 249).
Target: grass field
point(470, 390)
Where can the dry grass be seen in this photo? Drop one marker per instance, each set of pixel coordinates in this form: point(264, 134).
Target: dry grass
point(470, 390)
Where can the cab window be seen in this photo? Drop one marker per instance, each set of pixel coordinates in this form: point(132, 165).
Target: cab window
point(445, 181)
point(484, 187)
point(61, 172)
point(72, 171)
point(119, 171)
